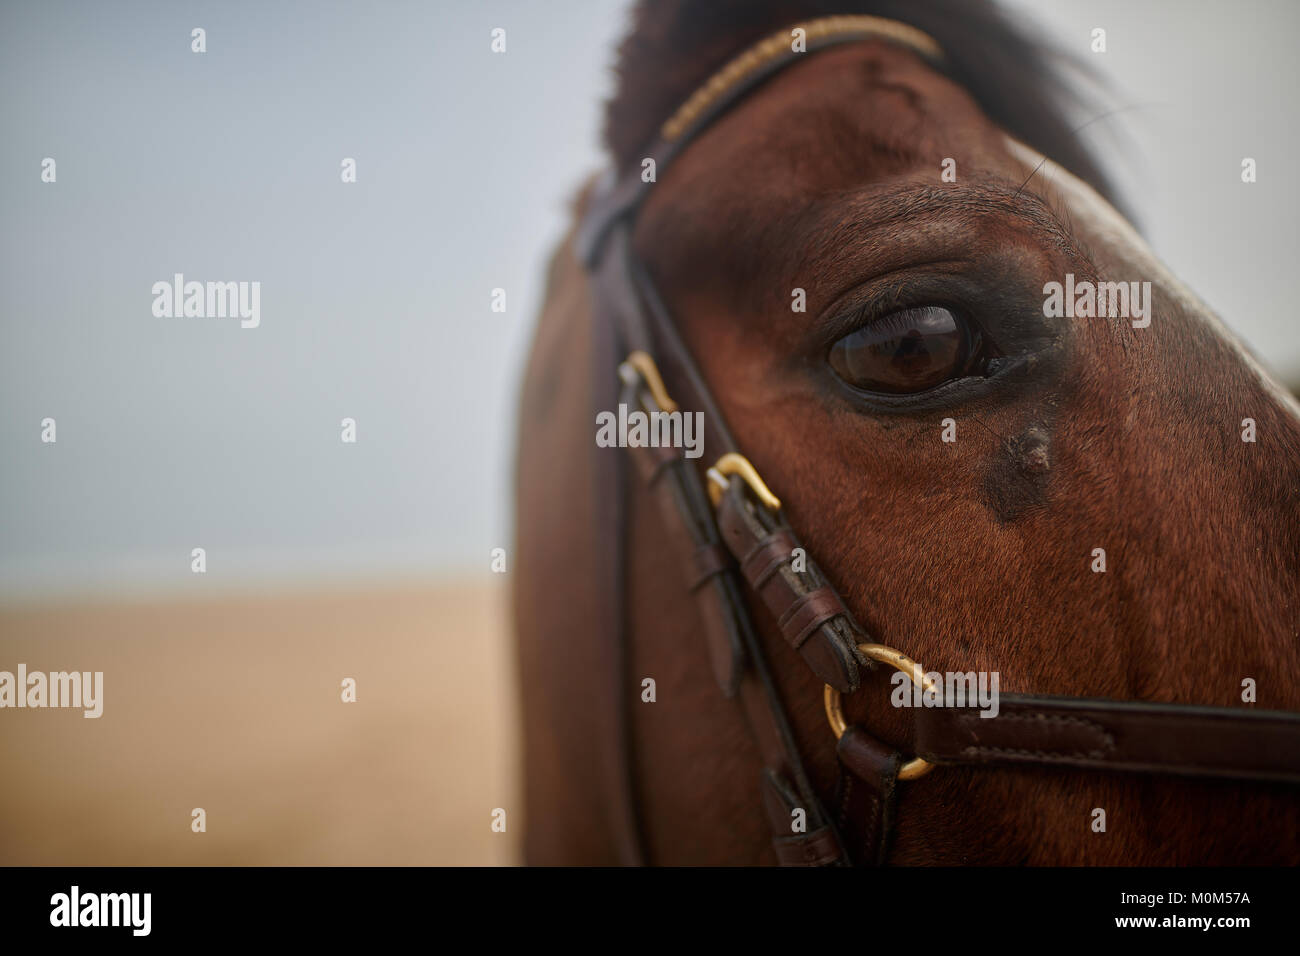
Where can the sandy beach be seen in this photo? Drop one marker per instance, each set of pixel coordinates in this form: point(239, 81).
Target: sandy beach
point(233, 704)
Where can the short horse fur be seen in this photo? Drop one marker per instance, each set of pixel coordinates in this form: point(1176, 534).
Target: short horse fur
point(970, 556)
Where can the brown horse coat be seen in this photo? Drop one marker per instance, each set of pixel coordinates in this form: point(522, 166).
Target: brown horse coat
point(971, 555)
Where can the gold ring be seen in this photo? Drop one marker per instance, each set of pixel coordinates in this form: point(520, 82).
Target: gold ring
point(916, 767)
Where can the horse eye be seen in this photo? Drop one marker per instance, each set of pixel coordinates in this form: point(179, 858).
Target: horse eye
point(909, 351)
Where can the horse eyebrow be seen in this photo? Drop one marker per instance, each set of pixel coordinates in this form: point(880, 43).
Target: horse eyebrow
point(849, 226)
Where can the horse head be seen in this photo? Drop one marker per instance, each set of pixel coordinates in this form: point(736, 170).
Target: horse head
point(1014, 442)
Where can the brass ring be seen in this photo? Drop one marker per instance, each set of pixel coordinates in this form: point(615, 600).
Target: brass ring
point(735, 464)
point(916, 767)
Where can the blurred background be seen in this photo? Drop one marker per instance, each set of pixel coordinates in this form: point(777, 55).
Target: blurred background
point(372, 559)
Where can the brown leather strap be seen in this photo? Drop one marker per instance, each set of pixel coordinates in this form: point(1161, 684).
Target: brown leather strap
point(735, 651)
point(709, 560)
point(1116, 735)
point(767, 557)
point(679, 490)
point(688, 518)
point(741, 668)
point(866, 795)
point(810, 614)
point(819, 848)
point(620, 197)
point(816, 844)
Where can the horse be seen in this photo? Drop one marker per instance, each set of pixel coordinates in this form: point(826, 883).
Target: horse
point(1074, 503)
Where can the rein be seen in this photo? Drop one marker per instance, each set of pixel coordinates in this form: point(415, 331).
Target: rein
point(738, 543)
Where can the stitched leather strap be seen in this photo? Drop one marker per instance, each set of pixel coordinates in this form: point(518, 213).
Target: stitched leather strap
point(709, 575)
point(710, 559)
point(866, 794)
point(819, 848)
point(767, 557)
point(620, 197)
point(735, 651)
point(1116, 735)
point(810, 614)
point(815, 845)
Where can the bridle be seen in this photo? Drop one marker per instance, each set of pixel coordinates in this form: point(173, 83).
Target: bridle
point(732, 527)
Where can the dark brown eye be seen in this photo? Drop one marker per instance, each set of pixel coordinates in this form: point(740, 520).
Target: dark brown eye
point(909, 351)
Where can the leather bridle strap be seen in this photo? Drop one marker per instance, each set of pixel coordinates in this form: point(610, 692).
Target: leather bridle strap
point(736, 653)
point(1096, 734)
point(619, 198)
point(630, 317)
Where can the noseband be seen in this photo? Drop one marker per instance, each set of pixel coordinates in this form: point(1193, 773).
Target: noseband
point(735, 541)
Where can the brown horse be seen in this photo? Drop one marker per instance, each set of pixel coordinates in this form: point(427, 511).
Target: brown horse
point(925, 319)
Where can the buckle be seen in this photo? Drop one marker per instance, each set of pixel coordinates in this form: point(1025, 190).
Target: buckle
point(640, 366)
point(733, 463)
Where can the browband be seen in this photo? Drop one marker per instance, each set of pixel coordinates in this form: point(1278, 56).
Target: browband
point(620, 196)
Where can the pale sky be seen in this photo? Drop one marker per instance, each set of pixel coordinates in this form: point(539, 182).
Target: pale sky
point(183, 433)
